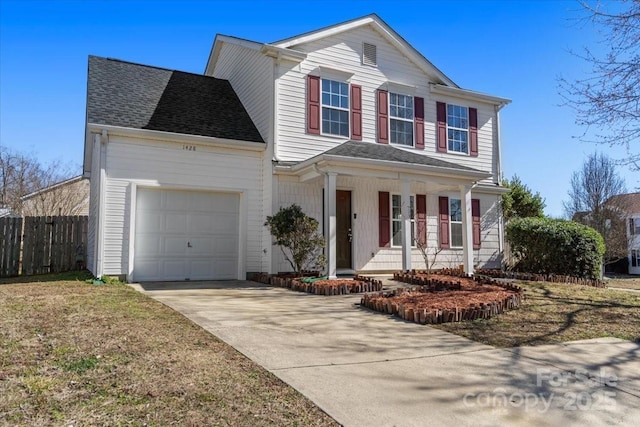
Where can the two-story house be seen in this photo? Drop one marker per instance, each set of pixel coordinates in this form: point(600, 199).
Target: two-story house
point(350, 122)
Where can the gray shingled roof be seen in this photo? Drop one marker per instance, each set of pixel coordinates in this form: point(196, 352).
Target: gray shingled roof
point(368, 150)
point(137, 96)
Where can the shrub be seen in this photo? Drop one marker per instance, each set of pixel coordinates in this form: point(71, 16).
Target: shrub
point(555, 246)
point(298, 238)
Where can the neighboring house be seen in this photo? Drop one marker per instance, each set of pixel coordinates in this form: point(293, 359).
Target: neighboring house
point(629, 204)
point(69, 197)
point(350, 122)
point(7, 213)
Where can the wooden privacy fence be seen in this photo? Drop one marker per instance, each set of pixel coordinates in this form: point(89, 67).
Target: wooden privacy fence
point(11, 229)
point(43, 244)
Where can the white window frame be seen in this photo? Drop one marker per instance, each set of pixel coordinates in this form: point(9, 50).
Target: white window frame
point(413, 220)
point(451, 222)
point(402, 119)
point(635, 258)
point(466, 130)
point(331, 107)
point(635, 230)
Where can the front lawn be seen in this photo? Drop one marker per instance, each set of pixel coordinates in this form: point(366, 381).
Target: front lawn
point(78, 354)
point(553, 312)
point(622, 281)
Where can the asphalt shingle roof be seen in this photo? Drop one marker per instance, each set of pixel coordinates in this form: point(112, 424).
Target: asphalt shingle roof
point(629, 202)
point(368, 150)
point(138, 96)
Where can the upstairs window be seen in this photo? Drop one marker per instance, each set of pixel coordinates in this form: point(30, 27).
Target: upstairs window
point(401, 119)
point(457, 128)
point(335, 108)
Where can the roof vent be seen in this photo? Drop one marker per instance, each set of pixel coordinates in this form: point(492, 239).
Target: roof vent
point(369, 55)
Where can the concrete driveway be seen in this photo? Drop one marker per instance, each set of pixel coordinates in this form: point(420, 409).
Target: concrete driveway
point(369, 369)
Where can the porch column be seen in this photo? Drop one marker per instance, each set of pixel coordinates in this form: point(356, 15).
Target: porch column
point(467, 229)
point(406, 225)
point(330, 223)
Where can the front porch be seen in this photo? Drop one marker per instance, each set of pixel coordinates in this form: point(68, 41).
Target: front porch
point(373, 211)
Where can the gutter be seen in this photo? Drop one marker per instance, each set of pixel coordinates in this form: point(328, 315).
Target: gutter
point(177, 137)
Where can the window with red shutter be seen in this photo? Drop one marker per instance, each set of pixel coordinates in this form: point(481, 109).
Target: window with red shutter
point(419, 122)
point(473, 132)
point(383, 116)
point(421, 218)
point(441, 111)
point(313, 104)
point(443, 220)
point(356, 112)
point(384, 220)
point(475, 216)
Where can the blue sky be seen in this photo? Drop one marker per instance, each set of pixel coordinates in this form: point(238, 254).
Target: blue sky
point(514, 49)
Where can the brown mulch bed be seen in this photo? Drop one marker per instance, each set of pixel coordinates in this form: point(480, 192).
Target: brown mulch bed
point(470, 293)
point(444, 298)
point(325, 287)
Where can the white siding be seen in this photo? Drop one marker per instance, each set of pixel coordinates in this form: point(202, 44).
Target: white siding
point(343, 52)
point(149, 163)
point(251, 75)
point(368, 256)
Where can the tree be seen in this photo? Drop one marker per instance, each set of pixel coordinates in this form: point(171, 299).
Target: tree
point(429, 254)
point(22, 174)
point(592, 202)
point(298, 238)
point(520, 202)
point(608, 98)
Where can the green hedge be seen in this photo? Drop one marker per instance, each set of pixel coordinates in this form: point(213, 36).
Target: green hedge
point(555, 246)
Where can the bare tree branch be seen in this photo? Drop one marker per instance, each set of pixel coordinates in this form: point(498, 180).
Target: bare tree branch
point(608, 99)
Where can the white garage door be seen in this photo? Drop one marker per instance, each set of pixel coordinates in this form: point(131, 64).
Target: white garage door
point(186, 235)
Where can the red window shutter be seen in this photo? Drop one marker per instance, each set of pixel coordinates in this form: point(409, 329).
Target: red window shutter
point(443, 219)
point(384, 220)
point(421, 218)
point(475, 215)
point(441, 111)
point(356, 112)
point(418, 110)
point(383, 117)
point(313, 104)
point(473, 132)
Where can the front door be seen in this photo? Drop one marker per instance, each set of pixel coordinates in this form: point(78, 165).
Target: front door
point(343, 229)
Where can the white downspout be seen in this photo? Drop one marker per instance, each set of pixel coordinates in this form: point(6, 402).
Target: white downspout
point(270, 185)
point(499, 174)
point(103, 140)
point(498, 146)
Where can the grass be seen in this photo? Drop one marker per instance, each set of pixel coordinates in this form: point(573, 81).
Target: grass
point(625, 282)
point(553, 313)
point(73, 353)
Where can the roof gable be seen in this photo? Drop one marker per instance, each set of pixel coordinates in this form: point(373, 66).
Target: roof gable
point(138, 96)
point(375, 22)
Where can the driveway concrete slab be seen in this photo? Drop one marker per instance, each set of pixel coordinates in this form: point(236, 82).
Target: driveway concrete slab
point(365, 368)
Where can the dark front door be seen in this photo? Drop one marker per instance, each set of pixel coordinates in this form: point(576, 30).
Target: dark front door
point(343, 229)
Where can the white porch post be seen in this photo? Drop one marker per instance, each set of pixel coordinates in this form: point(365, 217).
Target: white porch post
point(467, 229)
point(406, 225)
point(330, 222)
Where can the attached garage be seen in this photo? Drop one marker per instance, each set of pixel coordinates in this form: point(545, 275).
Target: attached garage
point(186, 235)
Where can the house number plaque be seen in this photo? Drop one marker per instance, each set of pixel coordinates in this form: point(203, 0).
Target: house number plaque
point(189, 147)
